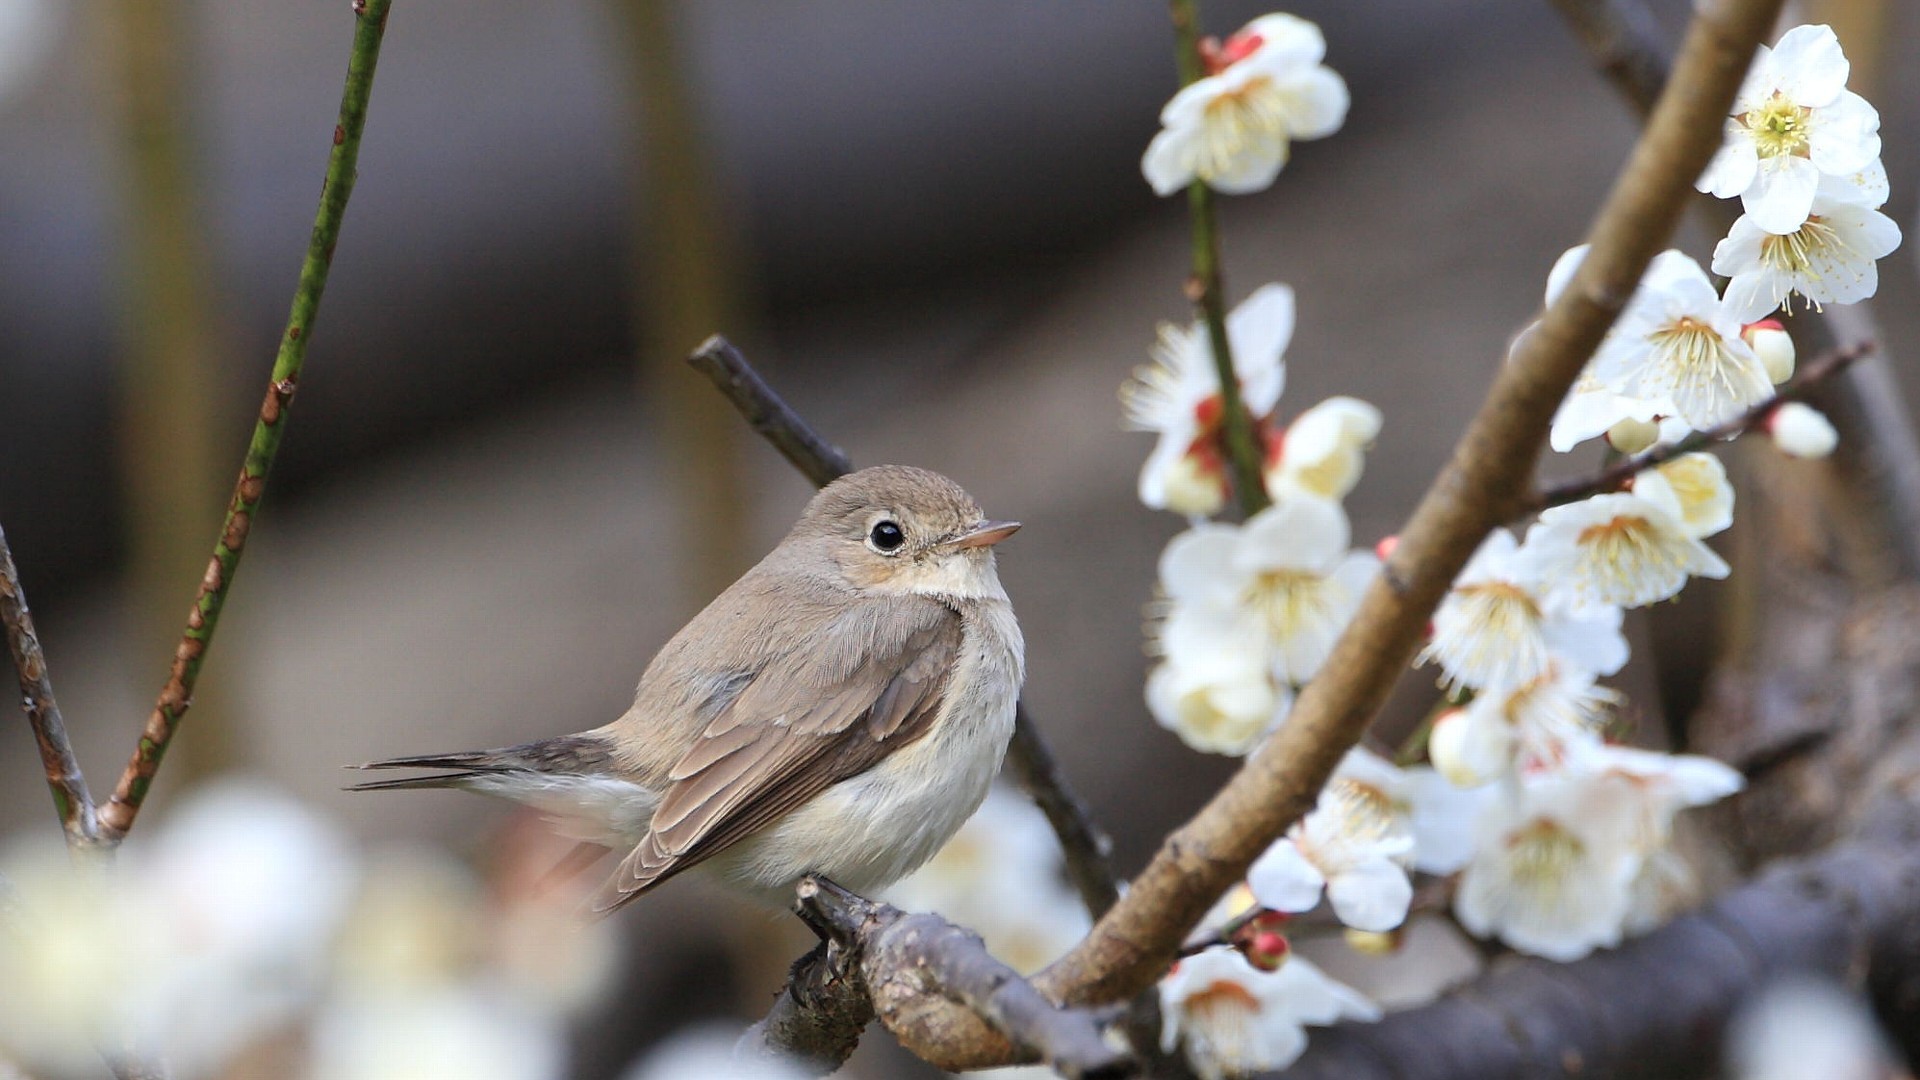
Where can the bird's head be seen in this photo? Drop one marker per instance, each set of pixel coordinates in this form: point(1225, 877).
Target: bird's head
point(898, 529)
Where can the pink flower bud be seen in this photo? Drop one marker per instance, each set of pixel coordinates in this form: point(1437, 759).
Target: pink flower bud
point(1386, 547)
point(1267, 950)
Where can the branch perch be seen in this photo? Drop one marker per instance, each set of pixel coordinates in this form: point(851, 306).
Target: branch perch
point(70, 797)
point(1616, 476)
point(1085, 846)
point(901, 960)
point(117, 817)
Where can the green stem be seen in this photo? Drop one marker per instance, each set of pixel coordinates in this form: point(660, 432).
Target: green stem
point(1204, 289)
point(117, 817)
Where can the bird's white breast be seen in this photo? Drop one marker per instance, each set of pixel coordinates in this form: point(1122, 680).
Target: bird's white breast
point(873, 829)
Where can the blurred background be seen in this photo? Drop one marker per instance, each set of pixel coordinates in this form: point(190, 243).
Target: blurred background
point(502, 490)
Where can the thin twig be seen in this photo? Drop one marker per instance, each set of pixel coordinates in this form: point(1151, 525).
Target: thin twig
point(1083, 843)
point(1615, 476)
point(70, 797)
point(177, 695)
point(1205, 291)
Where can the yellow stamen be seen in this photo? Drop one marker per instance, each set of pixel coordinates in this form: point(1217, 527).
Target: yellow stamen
point(1779, 128)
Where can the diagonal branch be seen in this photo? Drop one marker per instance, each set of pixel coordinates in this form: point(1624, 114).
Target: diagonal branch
point(1083, 843)
point(1615, 477)
point(177, 695)
point(70, 797)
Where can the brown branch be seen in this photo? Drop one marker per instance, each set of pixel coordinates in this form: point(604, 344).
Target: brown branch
point(901, 962)
point(1615, 476)
point(176, 697)
point(1029, 758)
point(70, 797)
point(1657, 1006)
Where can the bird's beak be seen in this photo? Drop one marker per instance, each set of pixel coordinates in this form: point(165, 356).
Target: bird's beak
point(985, 534)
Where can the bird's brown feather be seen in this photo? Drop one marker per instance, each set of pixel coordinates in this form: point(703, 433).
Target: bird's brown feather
point(792, 731)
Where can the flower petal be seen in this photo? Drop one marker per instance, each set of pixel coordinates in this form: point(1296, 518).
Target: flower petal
point(1284, 880)
point(1371, 895)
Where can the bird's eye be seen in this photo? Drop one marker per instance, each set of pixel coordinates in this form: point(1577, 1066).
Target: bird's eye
point(886, 537)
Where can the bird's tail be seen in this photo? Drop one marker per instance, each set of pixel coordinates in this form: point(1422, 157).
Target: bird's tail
point(567, 754)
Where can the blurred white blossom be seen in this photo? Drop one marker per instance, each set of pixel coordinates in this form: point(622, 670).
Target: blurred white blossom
point(454, 1032)
point(1774, 346)
point(1232, 129)
point(1002, 876)
point(1323, 451)
point(1553, 869)
point(1501, 624)
point(705, 1052)
point(1793, 121)
point(1801, 431)
point(1214, 689)
point(1234, 1018)
point(1694, 489)
point(1286, 578)
point(1801, 1026)
point(1537, 723)
point(1177, 397)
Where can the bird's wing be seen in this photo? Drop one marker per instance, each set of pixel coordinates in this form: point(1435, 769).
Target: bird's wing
point(805, 723)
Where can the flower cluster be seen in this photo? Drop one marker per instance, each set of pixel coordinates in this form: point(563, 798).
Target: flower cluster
point(249, 935)
point(1529, 817)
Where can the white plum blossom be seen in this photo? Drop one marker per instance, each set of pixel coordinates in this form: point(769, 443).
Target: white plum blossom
point(1286, 579)
point(1653, 788)
point(1618, 549)
point(1323, 451)
point(1793, 122)
point(1500, 624)
point(1831, 258)
point(475, 1032)
point(1695, 489)
point(1553, 870)
point(1356, 846)
point(1235, 1019)
point(1178, 398)
point(1214, 688)
point(1802, 1025)
point(1677, 343)
point(1535, 724)
point(1799, 430)
point(1233, 128)
point(705, 1051)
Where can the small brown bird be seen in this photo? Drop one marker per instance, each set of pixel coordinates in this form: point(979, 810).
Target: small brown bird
point(840, 710)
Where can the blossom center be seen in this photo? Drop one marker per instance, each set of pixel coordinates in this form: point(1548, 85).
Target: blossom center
point(1288, 601)
point(1543, 856)
point(1235, 120)
point(1695, 363)
point(1779, 128)
point(1365, 811)
point(1795, 252)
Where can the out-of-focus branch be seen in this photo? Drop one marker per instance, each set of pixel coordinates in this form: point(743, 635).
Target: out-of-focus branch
point(902, 961)
point(771, 418)
point(1615, 476)
point(1083, 843)
point(177, 695)
point(1878, 457)
point(1208, 294)
point(1653, 1007)
point(70, 797)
